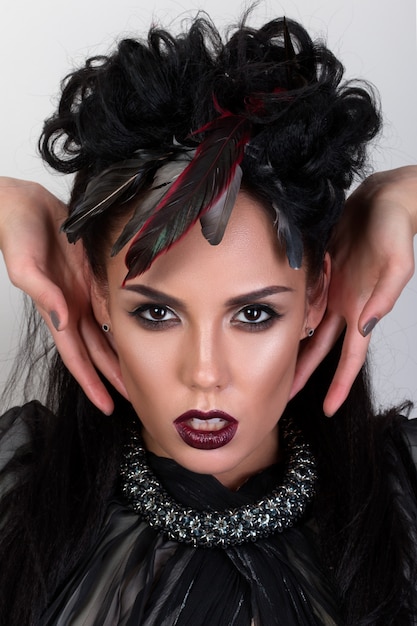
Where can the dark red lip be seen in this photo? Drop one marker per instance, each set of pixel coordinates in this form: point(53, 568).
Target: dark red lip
point(206, 439)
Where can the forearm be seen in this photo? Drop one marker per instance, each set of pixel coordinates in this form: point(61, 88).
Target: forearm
point(397, 187)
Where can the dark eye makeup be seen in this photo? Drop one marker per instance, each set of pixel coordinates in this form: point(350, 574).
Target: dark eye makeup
point(256, 317)
point(252, 317)
point(155, 316)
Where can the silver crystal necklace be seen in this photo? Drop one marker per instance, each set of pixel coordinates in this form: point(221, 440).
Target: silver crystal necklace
point(275, 512)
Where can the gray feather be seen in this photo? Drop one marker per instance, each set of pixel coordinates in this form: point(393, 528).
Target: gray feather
point(214, 222)
point(163, 179)
point(291, 236)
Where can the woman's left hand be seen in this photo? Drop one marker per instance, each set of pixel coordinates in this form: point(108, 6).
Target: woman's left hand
point(372, 260)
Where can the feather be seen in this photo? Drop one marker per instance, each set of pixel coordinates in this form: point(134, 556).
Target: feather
point(195, 191)
point(290, 234)
point(118, 183)
point(288, 45)
point(284, 207)
point(215, 220)
point(295, 78)
point(163, 179)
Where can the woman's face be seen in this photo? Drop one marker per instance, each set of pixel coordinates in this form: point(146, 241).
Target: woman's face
point(207, 340)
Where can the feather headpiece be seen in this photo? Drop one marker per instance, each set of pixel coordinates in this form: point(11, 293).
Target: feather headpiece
point(205, 190)
point(177, 188)
point(119, 184)
point(180, 186)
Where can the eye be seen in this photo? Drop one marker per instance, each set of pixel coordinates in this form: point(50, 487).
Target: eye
point(157, 313)
point(255, 316)
point(155, 316)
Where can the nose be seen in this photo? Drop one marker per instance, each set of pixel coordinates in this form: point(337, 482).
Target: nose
point(204, 360)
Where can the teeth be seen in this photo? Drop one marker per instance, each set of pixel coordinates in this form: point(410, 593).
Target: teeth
point(212, 424)
point(212, 420)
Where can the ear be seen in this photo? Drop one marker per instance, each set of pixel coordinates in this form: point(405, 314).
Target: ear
point(98, 296)
point(99, 304)
point(317, 296)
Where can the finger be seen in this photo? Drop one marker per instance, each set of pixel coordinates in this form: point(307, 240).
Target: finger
point(315, 349)
point(385, 294)
point(102, 354)
point(47, 296)
point(77, 360)
point(352, 358)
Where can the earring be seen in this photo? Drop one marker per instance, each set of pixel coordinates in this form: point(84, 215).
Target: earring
point(310, 332)
point(105, 328)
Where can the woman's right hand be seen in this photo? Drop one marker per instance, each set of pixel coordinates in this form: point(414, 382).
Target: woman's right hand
point(41, 262)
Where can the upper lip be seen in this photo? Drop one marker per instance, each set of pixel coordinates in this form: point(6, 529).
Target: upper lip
point(204, 415)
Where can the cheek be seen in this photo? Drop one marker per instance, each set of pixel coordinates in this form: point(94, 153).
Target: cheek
point(138, 365)
point(147, 367)
point(265, 363)
point(273, 369)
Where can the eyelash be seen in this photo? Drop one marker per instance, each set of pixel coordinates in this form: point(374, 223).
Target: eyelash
point(162, 324)
point(139, 314)
point(255, 326)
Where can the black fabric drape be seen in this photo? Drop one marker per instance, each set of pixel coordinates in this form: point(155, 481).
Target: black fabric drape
point(134, 576)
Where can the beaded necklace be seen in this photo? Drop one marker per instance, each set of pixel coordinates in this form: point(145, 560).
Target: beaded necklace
point(273, 513)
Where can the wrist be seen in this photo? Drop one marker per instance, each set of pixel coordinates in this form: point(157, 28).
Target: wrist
point(398, 187)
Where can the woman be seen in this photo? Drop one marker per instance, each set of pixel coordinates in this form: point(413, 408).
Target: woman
point(248, 506)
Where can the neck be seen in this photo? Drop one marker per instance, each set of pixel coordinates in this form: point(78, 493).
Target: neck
point(259, 460)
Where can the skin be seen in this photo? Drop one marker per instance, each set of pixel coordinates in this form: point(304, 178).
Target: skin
point(199, 350)
point(372, 261)
point(368, 275)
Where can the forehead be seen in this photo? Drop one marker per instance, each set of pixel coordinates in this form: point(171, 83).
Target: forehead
point(248, 255)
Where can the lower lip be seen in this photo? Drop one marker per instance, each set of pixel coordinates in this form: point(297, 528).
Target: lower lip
point(206, 440)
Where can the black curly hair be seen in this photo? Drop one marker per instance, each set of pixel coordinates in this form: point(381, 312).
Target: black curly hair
point(309, 131)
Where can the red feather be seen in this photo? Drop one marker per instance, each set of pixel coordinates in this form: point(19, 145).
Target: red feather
point(196, 190)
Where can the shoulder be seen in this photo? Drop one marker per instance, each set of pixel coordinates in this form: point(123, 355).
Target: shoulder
point(409, 433)
point(400, 459)
point(17, 427)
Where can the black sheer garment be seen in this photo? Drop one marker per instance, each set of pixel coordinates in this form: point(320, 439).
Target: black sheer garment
point(133, 575)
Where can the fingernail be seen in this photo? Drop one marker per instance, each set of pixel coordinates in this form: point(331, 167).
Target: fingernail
point(55, 319)
point(369, 326)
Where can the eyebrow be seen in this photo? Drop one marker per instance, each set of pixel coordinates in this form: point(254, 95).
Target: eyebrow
point(154, 294)
point(241, 300)
point(258, 294)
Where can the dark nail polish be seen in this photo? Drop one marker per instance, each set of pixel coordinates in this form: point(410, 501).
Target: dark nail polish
point(54, 319)
point(369, 326)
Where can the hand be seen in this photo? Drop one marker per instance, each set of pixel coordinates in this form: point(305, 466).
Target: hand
point(372, 260)
point(40, 261)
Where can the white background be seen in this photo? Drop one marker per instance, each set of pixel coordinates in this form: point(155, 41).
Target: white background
point(40, 41)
